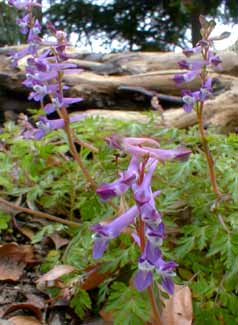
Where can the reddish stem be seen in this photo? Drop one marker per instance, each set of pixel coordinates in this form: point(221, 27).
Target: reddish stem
point(155, 311)
point(210, 161)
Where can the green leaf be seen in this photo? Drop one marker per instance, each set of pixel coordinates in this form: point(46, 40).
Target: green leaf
point(81, 302)
point(136, 310)
point(185, 246)
point(46, 231)
point(4, 220)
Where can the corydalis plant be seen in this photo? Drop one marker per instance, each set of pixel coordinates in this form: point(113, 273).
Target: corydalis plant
point(198, 68)
point(150, 231)
point(44, 74)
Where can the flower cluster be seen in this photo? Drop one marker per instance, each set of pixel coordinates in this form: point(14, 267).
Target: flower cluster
point(44, 126)
point(28, 26)
point(198, 67)
point(146, 154)
point(45, 70)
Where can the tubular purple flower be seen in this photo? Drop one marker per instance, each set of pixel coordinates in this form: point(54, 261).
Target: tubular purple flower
point(108, 191)
point(121, 185)
point(149, 214)
point(142, 192)
point(156, 235)
point(114, 141)
point(140, 142)
point(33, 36)
point(189, 101)
point(186, 77)
point(193, 65)
point(214, 59)
point(160, 154)
point(190, 52)
point(45, 126)
point(113, 229)
point(23, 5)
point(106, 232)
point(24, 23)
point(144, 275)
point(166, 271)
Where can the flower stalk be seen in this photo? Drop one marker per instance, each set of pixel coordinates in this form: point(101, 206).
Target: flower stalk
point(196, 99)
point(145, 156)
point(207, 152)
point(156, 319)
point(44, 75)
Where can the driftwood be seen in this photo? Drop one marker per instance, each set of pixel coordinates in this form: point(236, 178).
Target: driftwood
point(129, 81)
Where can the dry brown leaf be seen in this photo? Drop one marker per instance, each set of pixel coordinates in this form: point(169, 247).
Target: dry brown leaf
point(27, 232)
point(5, 322)
point(13, 259)
point(93, 278)
point(55, 273)
point(24, 320)
point(58, 240)
point(106, 316)
point(178, 308)
point(24, 306)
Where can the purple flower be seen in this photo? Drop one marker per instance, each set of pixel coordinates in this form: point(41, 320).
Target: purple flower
point(156, 235)
point(144, 276)
point(151, 261)
point(24, 23)
point(121, 185)
point(44, 126)
point(166, 271)
point(193, 65)
point(145, 156)
point(149, 214)
point(104, 233)
point(192, 98)
point(142, 192)
point(33, 37)
point(194, 50)
point(23, 5)
point(160, 154)
point(214, 59)
point(136, 148)
point(186, 77)
point(58, 103)
point(189, 100)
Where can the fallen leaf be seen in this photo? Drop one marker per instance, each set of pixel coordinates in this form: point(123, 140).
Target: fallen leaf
point(58, 240)
point(6, 322)
point(24, 306)
point(106, 316)
point(55, 273)
point(93, 278)
point(24, 320)
point(27, 232)
point(13, 259)
point(178, 308)
point(36, 300)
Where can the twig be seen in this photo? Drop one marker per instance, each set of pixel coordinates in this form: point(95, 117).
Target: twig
point(38, 214)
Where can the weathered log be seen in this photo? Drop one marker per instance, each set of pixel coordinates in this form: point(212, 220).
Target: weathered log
point(128, 81)
point(141, 62)
point(220, 113)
